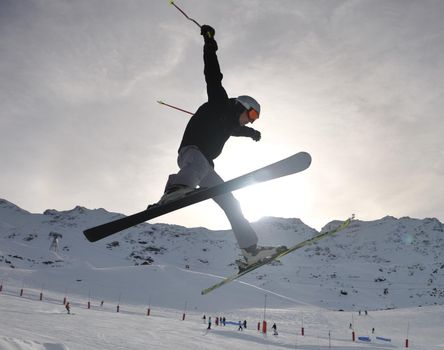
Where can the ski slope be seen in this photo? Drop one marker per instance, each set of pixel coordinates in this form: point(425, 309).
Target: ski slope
point(164, 268)
point(30, 324)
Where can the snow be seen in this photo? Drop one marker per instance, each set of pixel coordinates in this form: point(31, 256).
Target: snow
point(164, 267)
point(28, 323)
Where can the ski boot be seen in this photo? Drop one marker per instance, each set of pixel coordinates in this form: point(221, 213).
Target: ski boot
point(257, 254)
point(173, 193)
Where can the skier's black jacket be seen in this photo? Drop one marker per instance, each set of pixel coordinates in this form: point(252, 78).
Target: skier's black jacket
point(218, 119)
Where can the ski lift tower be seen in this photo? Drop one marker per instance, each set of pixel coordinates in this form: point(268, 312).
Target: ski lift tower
point(55, 241)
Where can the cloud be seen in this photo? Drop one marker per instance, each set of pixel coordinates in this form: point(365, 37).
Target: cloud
point(358, 84)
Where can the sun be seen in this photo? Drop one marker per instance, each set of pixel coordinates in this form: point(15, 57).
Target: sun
point(281, 198)
point(288, 197)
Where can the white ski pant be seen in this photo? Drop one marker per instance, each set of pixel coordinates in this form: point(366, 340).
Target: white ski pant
point(195, 170)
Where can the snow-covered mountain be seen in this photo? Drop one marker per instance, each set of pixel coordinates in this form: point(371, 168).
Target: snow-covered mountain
point(387, 263)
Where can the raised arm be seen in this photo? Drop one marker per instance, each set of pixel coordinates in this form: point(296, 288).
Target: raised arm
point(213, 76)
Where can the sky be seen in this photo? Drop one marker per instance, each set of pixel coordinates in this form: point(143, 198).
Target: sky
point(357, 84)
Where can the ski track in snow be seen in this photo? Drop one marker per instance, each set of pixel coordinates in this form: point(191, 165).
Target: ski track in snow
point(36, 325)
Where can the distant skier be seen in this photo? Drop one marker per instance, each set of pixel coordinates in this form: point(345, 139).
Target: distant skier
point(204, 138)
point(240, 326)
point(68, 308)
point(274, 328)
point(209, 322)
point(245, 324)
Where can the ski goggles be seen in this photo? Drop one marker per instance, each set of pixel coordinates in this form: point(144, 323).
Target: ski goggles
point(252, 115)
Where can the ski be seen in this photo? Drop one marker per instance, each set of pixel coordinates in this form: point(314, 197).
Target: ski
point(277, 256)
point(293, 164)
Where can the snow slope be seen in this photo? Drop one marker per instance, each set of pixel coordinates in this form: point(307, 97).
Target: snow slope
point(391, 265)
point(29, 324)
point(387, 263)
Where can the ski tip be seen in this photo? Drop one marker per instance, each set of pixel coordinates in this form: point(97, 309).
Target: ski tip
point(205, 291)
point(90, 236)
point(307, 157)
point(85, 233)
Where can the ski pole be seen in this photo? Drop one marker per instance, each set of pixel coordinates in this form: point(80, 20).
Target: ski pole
point(171, 106)
point(193, 20)
point(177, 7)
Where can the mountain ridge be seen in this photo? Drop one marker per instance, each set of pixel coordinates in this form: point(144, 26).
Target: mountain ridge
point(387, 263)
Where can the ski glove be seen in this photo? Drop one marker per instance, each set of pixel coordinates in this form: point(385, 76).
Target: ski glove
point(207, 32)
point(256, 136)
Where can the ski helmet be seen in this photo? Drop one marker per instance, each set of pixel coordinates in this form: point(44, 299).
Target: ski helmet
point(251, 105)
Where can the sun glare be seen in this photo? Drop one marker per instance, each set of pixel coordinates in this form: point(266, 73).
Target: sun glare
point(284, 198)
point(288, 197)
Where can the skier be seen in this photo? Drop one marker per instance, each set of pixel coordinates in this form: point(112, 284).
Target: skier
point(209, 322)
point(240, 326)
point(203, 140)
point(68, 308)
point(274, 328)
